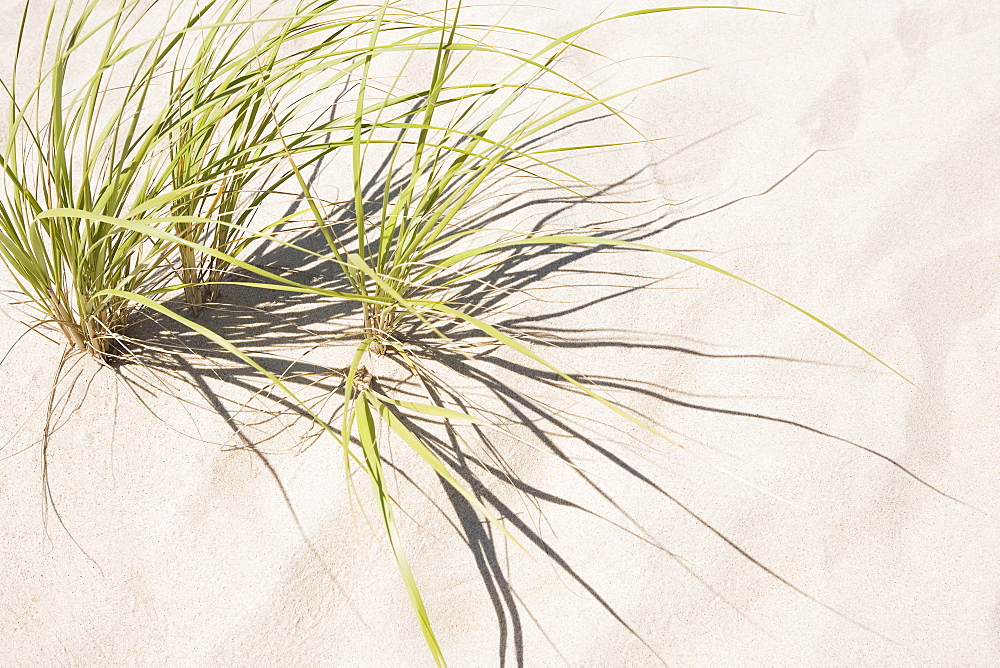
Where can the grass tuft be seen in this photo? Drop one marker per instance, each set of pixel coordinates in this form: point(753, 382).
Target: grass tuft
point(144, 163)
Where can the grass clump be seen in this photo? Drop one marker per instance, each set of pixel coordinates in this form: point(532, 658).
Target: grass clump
point(127, 149)
point(417, 251)
point(149, 177)
point(77, 140)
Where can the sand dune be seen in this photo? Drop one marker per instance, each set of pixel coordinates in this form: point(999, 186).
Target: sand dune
point(845, 155)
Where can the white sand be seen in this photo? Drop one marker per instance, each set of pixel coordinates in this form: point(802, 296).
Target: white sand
point(890, 235)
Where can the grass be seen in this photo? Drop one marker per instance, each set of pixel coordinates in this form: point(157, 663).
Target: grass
point(179, 130)
point(150, 175)
point(80, 145)
point(413, 253)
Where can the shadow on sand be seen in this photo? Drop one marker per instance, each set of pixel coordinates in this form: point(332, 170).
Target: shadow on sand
point(281, 331)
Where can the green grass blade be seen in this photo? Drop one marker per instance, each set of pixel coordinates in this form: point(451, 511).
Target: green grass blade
point(373, 461)
point(575, 240)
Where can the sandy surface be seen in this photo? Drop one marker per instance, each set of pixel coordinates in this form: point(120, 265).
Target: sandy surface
point(826, 511)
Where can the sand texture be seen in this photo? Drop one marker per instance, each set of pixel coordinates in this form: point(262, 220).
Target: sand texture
point(845, 155)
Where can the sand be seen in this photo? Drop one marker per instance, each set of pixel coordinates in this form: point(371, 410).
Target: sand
point(845, 155)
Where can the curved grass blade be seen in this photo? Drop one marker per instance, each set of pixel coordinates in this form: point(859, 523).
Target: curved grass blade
point(373, 461)
point(576, 240)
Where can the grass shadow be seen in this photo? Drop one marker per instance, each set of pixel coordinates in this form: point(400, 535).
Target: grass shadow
point(284, 334)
